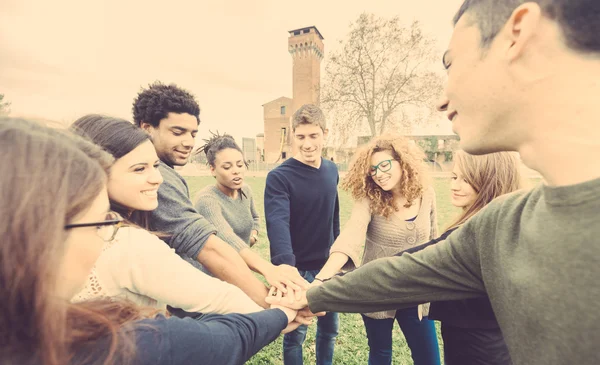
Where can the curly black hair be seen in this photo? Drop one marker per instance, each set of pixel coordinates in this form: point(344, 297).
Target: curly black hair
point(217, 143)
point(155, 103)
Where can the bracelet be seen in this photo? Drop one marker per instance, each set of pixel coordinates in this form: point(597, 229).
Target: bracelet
point(321, 280)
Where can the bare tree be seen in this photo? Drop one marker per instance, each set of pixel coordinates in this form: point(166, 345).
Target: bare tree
point(381, 75)
point(4, 106)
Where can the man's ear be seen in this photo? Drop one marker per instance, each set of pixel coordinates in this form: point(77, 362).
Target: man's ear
point(325, 132)
point(212, 171)
point(147, 127)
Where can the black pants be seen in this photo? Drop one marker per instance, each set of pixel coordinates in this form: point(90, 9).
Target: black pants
point(474, 346)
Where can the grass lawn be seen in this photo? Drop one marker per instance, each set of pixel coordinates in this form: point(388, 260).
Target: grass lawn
point(351, 346)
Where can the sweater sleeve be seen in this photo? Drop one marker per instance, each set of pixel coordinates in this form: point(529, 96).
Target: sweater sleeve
point(449, 270)
point(229, 339)
point(253, 211)
point(214, 339)
point(277, 215)
point(352, 238)
point(149, 267)
point(211, 208)
point(177, 217)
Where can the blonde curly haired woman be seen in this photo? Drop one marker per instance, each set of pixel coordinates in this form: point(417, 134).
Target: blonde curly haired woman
point(394, 210)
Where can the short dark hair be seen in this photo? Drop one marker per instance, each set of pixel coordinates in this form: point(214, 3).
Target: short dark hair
point(156, 102)
point(579, 20)
point(217, 143)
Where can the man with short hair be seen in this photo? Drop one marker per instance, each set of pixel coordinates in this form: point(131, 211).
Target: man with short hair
point(522, 76)
point(302, 214)
point(171, 115)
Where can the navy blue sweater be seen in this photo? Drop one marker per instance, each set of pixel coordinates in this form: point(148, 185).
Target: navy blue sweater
point(214, 339)
point(302, 213)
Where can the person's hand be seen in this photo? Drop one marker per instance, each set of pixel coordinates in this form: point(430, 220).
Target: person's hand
point(253, 237)
point(276, 297)
point(291, 327)
point(315, 283)
point(291, 314)
point(287, 280)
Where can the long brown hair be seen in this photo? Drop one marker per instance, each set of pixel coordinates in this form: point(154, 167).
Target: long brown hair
point(50, 178)
point(117, 137)
point(411, 159)
point(490, 176)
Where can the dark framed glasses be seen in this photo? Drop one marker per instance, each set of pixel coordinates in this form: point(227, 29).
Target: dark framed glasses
point(383, 166)
point(107, 229)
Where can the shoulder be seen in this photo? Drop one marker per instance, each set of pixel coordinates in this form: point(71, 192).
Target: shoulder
point(277, 175)
point(329, 164)
point(138, 240)
point(362, 204)
point(207, 193)
point(504, 209)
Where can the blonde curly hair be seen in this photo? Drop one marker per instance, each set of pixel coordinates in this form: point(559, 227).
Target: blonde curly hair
point(360, 185)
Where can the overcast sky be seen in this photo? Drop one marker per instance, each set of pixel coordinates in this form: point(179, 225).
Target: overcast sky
point(61, 59)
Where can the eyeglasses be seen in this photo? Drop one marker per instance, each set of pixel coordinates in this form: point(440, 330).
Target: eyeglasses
point(383, 166)
point(106, 229)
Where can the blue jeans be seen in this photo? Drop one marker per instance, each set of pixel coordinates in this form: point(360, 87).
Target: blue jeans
point(420, 337)
point(327, 330)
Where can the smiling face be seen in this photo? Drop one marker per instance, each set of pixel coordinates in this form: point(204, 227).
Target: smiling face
point(174, 138)
point(309, 138)
point(479, 97)
point(134, 179)
point(462, 194)
point(229, 169)
point(385, 170)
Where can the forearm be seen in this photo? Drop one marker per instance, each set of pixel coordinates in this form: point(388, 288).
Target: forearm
point(334, 264)
point(436, 273)
point(255, 262)
point(226, 264)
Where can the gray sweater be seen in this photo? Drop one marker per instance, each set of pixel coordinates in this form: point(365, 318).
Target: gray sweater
point(535, 254)
point(234, 219)
point(177, 217)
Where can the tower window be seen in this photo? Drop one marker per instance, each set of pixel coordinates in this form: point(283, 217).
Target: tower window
point(297, 32)
point(283, 155)
point(282, 110)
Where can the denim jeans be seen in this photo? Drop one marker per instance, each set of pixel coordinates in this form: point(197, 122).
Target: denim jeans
point(327, 330)
point(420, 337)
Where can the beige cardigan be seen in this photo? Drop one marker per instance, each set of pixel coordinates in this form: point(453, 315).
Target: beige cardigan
point(384, 237)
point(139, 267)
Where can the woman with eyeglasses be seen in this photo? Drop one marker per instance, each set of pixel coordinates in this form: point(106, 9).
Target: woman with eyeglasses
point(135, 264)
point(54, 225)
point(394, 210)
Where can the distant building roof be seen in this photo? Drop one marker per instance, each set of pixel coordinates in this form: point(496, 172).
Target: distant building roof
point(281, 98)
point(301, 30)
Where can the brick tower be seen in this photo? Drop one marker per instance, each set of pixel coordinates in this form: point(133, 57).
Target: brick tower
point(306, 48)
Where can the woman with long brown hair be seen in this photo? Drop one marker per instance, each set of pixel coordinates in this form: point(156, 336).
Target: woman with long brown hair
point(136, 265)
point(470, 331)
point(394, 210)
point(55, 220)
